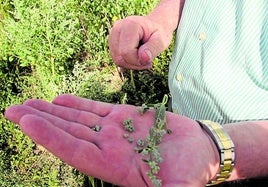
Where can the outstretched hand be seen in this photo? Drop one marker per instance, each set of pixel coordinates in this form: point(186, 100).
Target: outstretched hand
point(65, 127)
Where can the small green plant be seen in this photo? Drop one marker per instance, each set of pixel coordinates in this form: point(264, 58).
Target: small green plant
point(128, 125)
point(149, 147)
point(151, 151)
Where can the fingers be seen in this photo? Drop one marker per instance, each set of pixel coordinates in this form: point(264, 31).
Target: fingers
point(83, 155)
point(125, 38)
point(152, 47)
point(99, 108)
point(78, 130)
point(131, 35)
point(64, 112)
point(14, 114)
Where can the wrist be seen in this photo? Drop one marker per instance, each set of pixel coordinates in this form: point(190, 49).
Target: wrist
point(162, 24)
point(249, 138)
point(225, 149)
point(167, 14)
point(215, 158)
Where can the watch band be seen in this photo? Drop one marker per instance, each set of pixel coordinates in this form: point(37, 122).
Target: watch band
point(225, 147)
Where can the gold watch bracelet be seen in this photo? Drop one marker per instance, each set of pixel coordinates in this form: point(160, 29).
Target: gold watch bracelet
point(225, 147)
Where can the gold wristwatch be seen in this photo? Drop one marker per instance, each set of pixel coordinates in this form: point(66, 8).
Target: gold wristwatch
point(225, 147)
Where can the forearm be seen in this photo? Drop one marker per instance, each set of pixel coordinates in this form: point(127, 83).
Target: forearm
point(251, 145)
point(168, 13)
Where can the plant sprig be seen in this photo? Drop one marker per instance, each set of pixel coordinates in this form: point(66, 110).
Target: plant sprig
point(149, 147)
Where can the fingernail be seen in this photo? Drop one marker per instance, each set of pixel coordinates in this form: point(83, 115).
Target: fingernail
point(147, 57)
point(149, 54)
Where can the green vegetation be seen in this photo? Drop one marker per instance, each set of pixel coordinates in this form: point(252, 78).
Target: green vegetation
point(50, 47)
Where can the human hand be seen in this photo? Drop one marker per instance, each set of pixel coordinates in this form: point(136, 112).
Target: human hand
point(64, 127)
point(136, 40)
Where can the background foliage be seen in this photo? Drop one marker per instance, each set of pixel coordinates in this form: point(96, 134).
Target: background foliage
point(50, 47)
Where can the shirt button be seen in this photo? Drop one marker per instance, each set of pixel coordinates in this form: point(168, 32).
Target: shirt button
point(202, 36)
point(179, 77)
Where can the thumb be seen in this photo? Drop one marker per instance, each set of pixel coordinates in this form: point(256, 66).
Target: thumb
point(151, 49)
point(145, 56)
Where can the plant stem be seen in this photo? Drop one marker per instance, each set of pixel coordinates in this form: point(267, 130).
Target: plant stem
point(132, 79)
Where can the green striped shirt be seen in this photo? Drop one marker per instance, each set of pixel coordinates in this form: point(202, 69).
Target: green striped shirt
point(219, 69)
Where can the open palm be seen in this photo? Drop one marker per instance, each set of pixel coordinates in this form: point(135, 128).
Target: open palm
point(66, 128)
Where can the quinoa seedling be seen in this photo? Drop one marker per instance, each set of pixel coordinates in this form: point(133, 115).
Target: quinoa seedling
point(149, 147)
point(128, 125)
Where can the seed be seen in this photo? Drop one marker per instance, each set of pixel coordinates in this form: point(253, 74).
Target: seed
point(130, 139)
point(96, 128)
point(140, 143)
point(125, 135)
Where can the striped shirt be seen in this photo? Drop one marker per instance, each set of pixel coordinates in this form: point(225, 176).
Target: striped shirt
point(219, 68)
